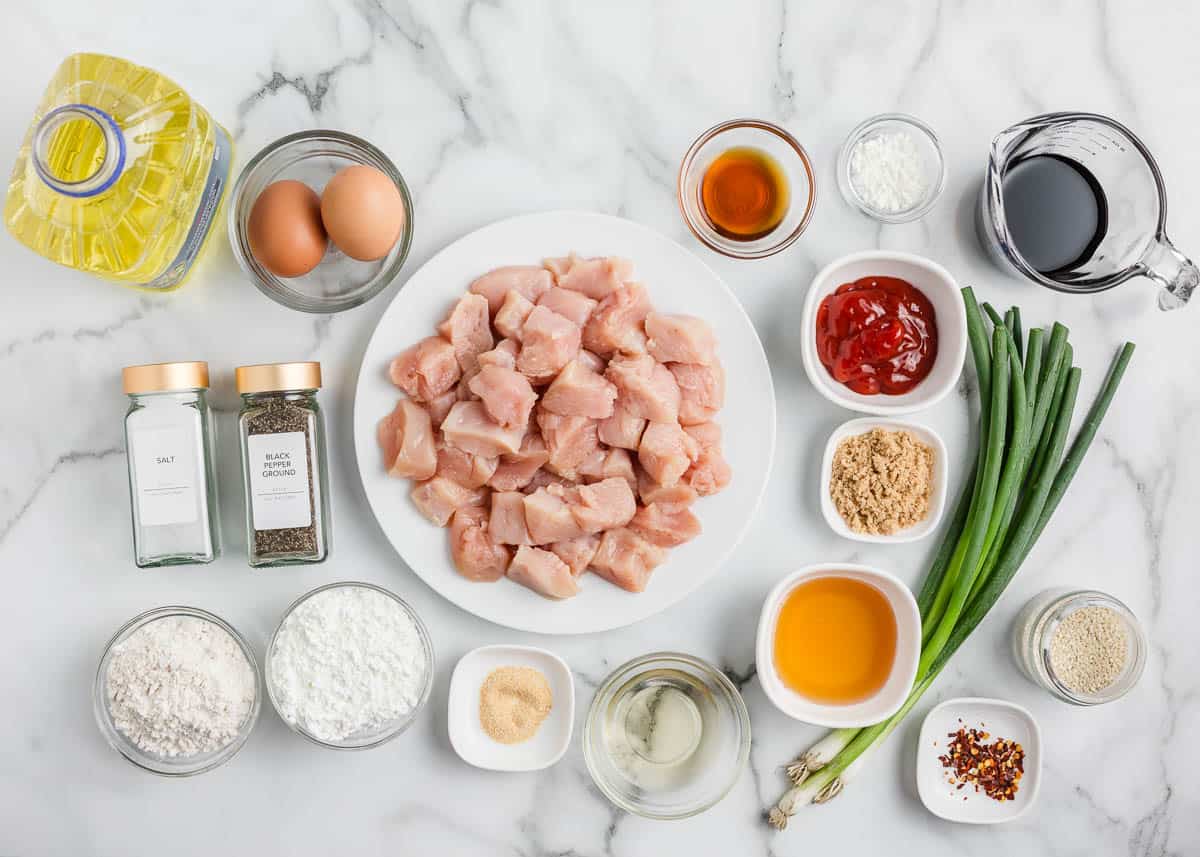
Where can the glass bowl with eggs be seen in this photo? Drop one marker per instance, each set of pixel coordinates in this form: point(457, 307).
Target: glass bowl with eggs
point(321, 221)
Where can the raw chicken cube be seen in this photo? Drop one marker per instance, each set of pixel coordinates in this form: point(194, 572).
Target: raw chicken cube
point(469, 428)
point(701, 390)
point(626, 559)
point(708, 434)
point(666, 452)
point(618, 462)
point(573, 305)
point(476, 555)
point(569, 440)
point(593, 277)
point(548, 343)
point(645, 388)
point(621, 429)
point(469, 471)
point(544, 479)
point(503, 355)
point(506, 395)
point(604, 463)
point(427, 370)
point(406, 436)
point(576, 553)
point(591, 467)
point(438, 498)
point(616, 324)
point(529, 280)
point(603, 505)
point(580, 392)
point(543, 572)
point(590, 361)
point(469, 329)
point(439, 407)
point(507, 523)
point(680, 339)
point(711, 472)
point(517, 469)
point(649, 491)
point(548, 516)
point(510, 318)
point(665, 524)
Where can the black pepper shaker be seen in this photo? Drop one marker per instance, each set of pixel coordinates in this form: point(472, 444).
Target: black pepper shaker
point(282, 435)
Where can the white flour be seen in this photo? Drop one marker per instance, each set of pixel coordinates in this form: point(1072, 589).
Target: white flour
point(888, 172)
point(179, 686)
point(346, 661)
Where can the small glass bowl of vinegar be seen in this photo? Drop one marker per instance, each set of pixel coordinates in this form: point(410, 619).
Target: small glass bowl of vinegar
point(747, 189)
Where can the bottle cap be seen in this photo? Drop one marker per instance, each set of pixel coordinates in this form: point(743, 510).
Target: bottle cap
point(276, 377)
point(164, 377)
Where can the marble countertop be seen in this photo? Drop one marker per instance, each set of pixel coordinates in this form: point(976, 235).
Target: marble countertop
point(497, 108)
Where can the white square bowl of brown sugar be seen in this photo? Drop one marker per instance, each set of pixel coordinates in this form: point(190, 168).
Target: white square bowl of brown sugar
point(511, 708)
point(884, 480)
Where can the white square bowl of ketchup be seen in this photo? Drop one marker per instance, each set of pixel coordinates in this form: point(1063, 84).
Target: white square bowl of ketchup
point(949, 322)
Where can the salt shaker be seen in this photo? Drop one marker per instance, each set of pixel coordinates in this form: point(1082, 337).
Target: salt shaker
point(169, 447)
point(282, 435)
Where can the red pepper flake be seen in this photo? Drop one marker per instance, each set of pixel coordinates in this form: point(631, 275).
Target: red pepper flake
point(995, 768)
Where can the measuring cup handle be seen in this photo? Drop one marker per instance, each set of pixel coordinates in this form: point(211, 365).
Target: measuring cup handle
point(1177, 274)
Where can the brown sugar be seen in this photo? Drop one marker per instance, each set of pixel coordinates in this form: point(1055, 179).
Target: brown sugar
point(513, 702)
point(881, 481)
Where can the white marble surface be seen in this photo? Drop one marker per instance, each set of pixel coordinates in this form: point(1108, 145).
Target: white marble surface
point(495, 108)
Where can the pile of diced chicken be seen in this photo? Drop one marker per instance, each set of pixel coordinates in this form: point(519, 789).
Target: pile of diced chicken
point(558, 424)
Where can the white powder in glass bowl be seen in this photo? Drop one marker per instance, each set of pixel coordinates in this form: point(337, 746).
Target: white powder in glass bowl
point(346, 661)
point(179, 686)
point(888, 172)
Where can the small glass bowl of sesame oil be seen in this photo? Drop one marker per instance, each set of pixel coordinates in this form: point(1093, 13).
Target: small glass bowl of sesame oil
point(746, 188)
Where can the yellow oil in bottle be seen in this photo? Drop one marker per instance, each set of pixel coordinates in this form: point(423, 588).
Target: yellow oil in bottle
point(121, 174)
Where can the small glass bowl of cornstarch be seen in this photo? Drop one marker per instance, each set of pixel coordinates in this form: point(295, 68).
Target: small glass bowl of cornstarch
point(177, 691)
point(350, 666)
point(891, 168)
point(1083, 646)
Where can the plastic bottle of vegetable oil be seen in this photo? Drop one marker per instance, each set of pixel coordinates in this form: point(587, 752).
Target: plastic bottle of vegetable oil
point(121, 174)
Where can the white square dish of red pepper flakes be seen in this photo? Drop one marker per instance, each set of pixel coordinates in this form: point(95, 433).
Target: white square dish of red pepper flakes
point(978, 760)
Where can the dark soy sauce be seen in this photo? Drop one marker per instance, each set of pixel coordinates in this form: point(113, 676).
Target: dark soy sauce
point(1055, 211)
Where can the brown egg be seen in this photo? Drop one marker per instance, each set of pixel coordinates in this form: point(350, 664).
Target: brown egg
point(285, 230)
point(362, 212)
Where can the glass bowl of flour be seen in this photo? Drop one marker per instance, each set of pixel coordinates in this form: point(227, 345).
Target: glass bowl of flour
point(350, 666)
point(177, 691)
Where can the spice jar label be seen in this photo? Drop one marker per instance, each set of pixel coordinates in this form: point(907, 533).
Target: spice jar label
point(281, 496)
point(164, 473)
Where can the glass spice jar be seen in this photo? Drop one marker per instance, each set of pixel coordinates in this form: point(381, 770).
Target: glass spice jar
point(1033, 636)
point(172, 481)
point(282, 434)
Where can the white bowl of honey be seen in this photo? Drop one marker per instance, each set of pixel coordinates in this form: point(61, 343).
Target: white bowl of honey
point(746, 188)
point(838, 644)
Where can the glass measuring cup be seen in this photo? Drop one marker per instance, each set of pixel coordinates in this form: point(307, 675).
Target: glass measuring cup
point(1133, 242)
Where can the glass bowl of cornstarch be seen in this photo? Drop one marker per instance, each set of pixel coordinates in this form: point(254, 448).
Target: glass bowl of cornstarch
point(350, 666)
point(177, 691)
point(891, 168)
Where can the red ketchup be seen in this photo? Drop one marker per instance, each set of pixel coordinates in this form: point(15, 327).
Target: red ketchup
point(877, 335)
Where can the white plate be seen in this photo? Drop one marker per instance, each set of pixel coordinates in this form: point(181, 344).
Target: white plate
point(474, 746)
point(1000, 719)
point(677, 282)
point(941, 478)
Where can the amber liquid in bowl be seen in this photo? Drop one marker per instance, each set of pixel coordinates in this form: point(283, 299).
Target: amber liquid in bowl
point(744, 194)
point(835, 640)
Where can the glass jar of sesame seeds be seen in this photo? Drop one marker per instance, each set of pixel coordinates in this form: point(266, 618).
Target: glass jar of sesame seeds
point(1083, 646)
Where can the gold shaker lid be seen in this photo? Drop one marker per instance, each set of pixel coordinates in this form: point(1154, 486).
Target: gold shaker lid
point(164, 377)
point(276, 377)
